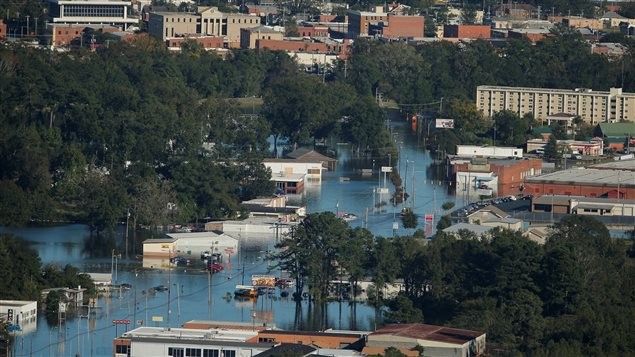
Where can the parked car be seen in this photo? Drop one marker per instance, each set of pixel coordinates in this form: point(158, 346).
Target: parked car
point(215, 268)
point(161, 288)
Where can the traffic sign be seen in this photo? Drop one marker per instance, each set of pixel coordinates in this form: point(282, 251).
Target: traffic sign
point(121, 322)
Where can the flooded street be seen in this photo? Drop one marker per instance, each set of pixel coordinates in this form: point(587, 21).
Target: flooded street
point(92, 335)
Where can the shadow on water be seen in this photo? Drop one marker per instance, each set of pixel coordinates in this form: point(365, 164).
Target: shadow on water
point(99, 245)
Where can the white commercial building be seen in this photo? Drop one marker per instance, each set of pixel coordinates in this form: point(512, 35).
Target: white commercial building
point(19, 312)
point(156, 341)
point(91, 12)
point(592, 106)
point(191, 245)
point(488, 151)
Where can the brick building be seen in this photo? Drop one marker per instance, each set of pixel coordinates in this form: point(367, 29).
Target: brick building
point(3, 30)
point(467, 31)
point(64, 35)
point(208, 42)
point(326, 339)
point(360, 23)
point(341, 49)
point(404, 26)
point(510, 174)
point(584, 182)
point(313, 31)
point(533, 35)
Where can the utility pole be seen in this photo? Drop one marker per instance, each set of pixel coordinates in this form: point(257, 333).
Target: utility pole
point(127, 219)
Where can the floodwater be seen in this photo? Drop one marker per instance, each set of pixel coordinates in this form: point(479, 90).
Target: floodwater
point(188, 299)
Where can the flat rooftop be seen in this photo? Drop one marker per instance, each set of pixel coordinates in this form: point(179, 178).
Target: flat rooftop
point(227, 335)
point(590, 177)
point(616, 165)
point(429, 333)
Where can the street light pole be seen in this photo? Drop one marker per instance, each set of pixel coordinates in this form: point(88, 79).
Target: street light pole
point(27, 24)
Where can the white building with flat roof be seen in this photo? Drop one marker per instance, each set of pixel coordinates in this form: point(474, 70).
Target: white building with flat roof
point(19, 312)
point(159, 341)
point(488, 151)
point(91, 12)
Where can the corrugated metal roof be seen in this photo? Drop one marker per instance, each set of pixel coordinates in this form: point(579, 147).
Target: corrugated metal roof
point(429, 333)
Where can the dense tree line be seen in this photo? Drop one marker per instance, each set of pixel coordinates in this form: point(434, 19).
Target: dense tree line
point(571, 296)
point(24, 276)
point(133, 128)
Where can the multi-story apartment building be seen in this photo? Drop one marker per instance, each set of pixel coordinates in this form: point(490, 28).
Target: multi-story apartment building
point(592, 106)
point(91, 12)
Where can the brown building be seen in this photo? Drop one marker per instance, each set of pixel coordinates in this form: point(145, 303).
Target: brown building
point(404, 26)
point(64, 35)
point(467, 31)
point(325, 339)
point(3, 30)
point(305, 46)
point(510, 173)
point(360, 23)
point(250, 36)
point(208, 42)
point(584, 182)
point(313, 31)
point(533, 35)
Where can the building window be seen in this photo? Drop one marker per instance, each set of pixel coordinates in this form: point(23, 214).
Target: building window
point(176, 352)
point(228, 353)
point(122, 349)
point(193, 352)
point(210, 353)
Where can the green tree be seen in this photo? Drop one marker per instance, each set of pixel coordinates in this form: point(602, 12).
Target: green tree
point(401, 310)
point(551, 149)
point(311, 252)
point(409, 219)
point(14, 207)
point(468, 15)
point(510, 128)
point(291, 28)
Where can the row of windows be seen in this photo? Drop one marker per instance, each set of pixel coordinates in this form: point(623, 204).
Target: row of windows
point(251, 21)
point(198, 352)
point(178, 19)
point(93, 11)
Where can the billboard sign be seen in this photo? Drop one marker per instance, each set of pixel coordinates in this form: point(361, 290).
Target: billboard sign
point(444, 124)
point(263, 280)
point(386, 169)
